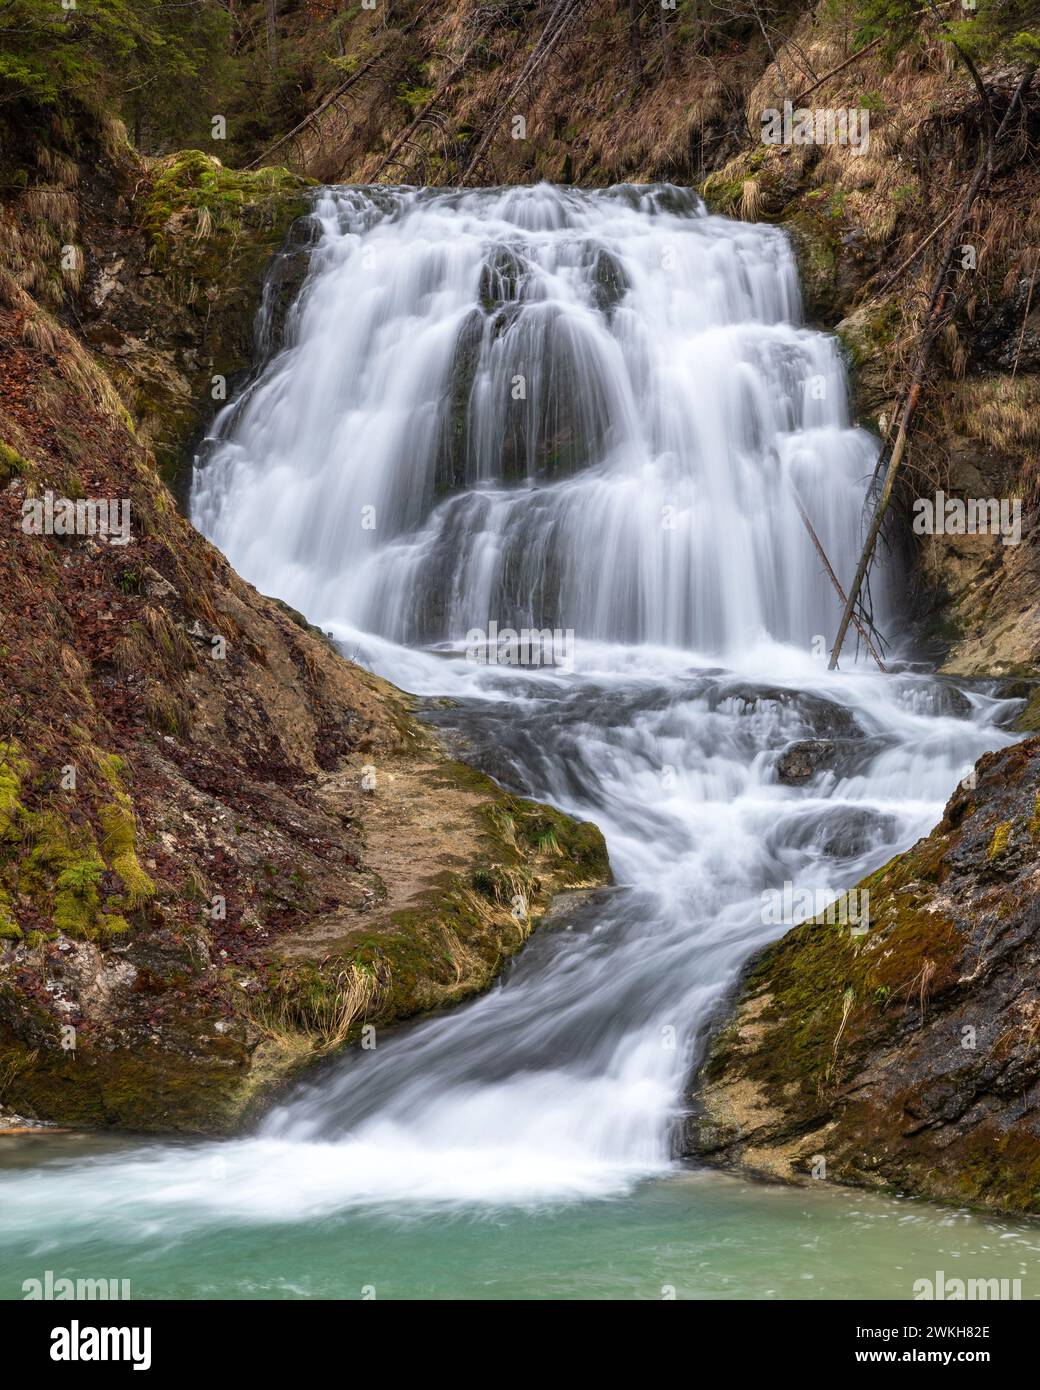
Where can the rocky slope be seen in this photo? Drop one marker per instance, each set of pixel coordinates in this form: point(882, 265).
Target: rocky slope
point(907, 1057)
point(224, 850)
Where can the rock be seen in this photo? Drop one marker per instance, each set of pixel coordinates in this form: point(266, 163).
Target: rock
point(906, 1058)
point(800, 761)
point(156, 587)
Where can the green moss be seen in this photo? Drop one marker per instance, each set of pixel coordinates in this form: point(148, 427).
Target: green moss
point(128, 1088)
point(999, 843)
point(119, 844)
point(1028, 721)
point(867, 334)
point(721, 194)
point(76, 899)
point(12, 465)
point(112, 924)
point(9, 928)
point(57, 862)
point(13, 768)
point(213, 232)
point(819, 980)
point(113, 768)
point(192, 180)
point(815, 241)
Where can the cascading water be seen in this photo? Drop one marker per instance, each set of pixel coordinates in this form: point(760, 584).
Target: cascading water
point(591, 412)
point(584, 411)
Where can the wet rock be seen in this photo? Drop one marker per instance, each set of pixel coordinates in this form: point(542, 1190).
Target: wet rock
point(609, 281)
point(907, 1057)
point(824, 718)
point(800, 761)
point(501, 278)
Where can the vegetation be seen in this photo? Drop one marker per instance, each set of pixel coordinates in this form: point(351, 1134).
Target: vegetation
point(166, 69)
point(986, 31)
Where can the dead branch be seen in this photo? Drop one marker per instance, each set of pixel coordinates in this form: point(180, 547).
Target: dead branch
point(860, 626)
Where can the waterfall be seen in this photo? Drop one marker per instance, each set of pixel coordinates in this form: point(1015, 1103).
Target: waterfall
point(548, 408)
point(591, 412)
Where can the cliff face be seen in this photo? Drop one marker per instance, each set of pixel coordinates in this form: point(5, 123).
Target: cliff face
point(909, 1056)
point(223, 848)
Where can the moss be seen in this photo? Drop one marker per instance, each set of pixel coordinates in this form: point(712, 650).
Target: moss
point(818, 975)
point(721, 194)
point(119, 844)
point(192, 180)
point(9, 928)
point(867, 334)
point(13, 768)
point(59, 865)
point(1001, 835)
point(130, 1088)
point(13, 465)
point(1029, 720)
point(76, 899)
point(212, 231)
point(817, 247)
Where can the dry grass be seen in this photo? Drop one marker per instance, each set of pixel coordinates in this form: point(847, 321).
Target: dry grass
point(466, 964)
point(203, 223)
point(164, 711)
point(39, 333)
point(54, 206)
point(322, 1018)
point(1001, 411)
point(751, 200)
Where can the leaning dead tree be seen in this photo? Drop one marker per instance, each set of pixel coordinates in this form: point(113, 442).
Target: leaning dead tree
point(560, 21)
point(934, 319)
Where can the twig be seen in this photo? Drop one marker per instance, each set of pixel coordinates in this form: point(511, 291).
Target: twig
point(896, 274)
point(1025, 316)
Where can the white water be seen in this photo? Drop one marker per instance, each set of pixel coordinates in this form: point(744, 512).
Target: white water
point(643, 495)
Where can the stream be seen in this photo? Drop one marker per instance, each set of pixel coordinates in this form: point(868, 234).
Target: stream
point(592, 415)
